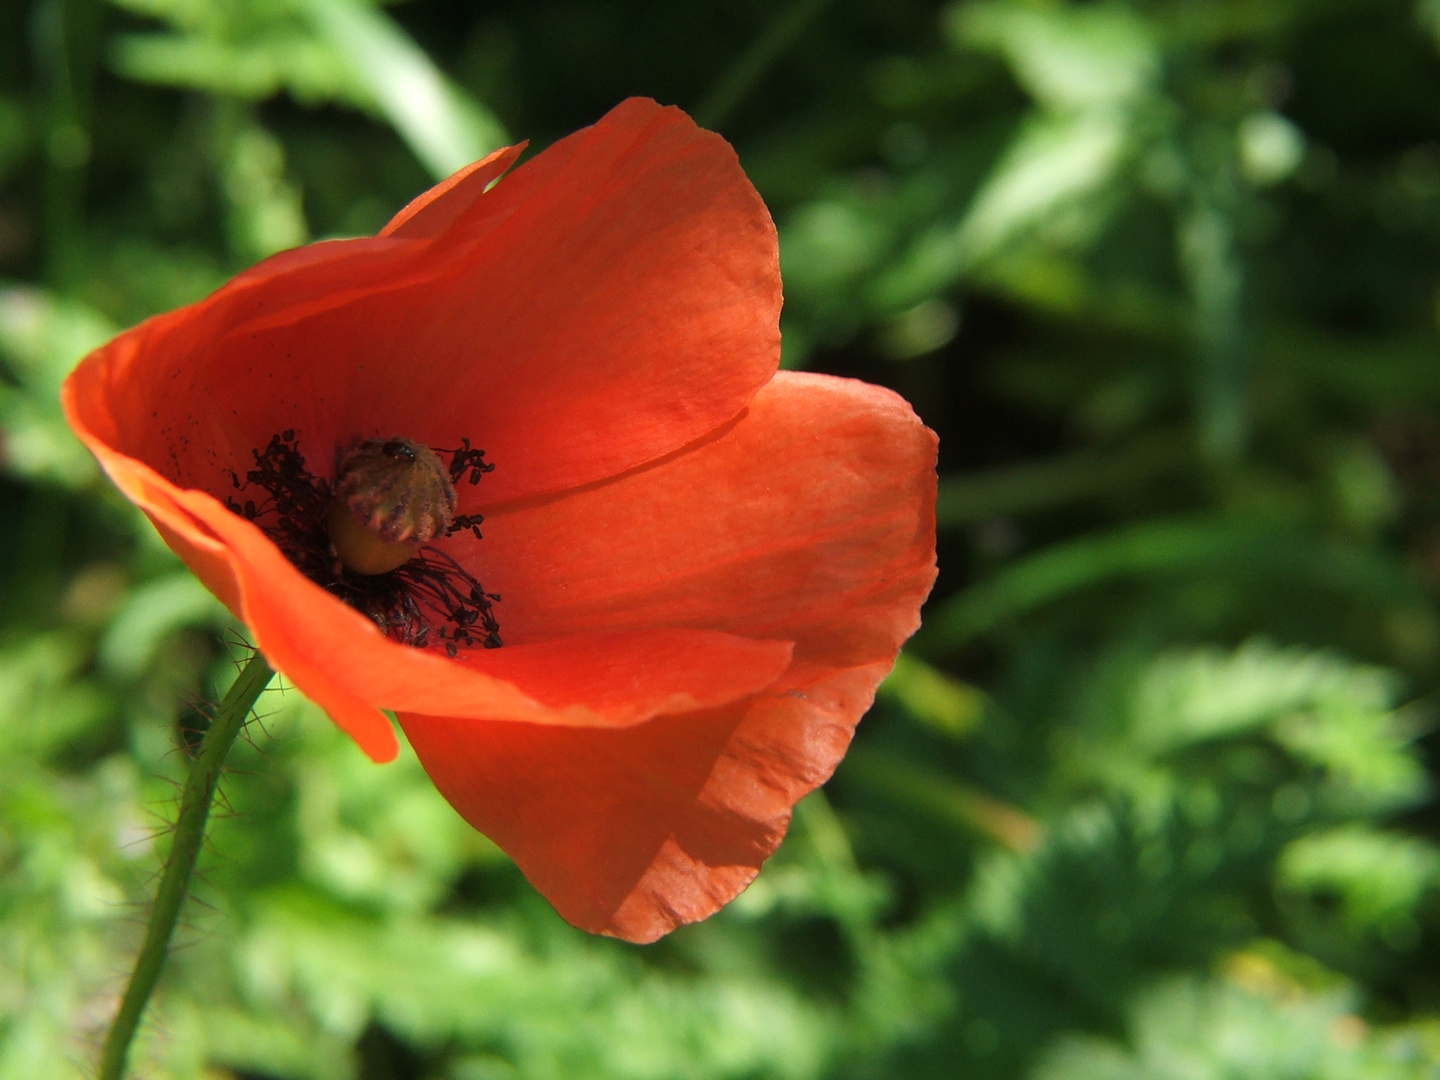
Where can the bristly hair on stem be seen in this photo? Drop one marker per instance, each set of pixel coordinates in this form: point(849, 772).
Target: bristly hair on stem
point(430, 599)
point(189, 832)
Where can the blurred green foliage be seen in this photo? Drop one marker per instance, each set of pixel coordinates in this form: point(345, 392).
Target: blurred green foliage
point(1151, 795)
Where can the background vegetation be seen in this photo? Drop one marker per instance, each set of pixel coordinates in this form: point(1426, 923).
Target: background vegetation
point(1150, 796)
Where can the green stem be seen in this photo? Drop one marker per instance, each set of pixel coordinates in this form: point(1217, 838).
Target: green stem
point(189, 835)
point(751, 67)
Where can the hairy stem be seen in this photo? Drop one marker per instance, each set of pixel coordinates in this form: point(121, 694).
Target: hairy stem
point(174, 884)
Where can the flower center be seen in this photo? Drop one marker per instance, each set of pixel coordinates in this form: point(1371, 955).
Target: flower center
point(391, 496)
point(366, 536)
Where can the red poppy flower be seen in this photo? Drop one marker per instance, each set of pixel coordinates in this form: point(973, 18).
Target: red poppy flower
point(706, 567)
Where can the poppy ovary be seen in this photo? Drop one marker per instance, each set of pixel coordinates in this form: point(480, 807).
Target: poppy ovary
point(390, 496)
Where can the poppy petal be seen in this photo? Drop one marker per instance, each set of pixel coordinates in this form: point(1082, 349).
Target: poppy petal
point(316, 639)
point(209, 557)
point(633, 832)
point(816, 504)
point(435, 211)
point(605, 304)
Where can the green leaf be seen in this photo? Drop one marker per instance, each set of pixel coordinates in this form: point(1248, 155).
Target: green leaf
point(1166, 548)
point(150, 614)
point(1067, 57)
point(445, 128)
point(941, 703)
point(1380, 876)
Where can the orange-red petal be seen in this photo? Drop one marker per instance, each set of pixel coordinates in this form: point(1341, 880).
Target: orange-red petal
point(436, 210)
point(812, 516)
point(603, 305)
point(815, 506)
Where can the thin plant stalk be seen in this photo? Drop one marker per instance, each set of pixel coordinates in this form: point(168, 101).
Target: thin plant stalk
point(195, 802)
point(745, 74)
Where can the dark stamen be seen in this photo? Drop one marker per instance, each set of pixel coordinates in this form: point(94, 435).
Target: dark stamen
point(465, 460)
point(431, 599)
point(466, 521)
